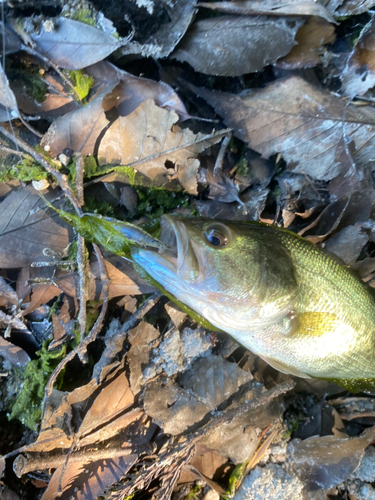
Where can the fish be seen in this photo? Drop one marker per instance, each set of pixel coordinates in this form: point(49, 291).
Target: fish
point(291, 303)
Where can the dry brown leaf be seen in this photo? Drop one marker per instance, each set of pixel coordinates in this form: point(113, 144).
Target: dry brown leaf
point(347, 211)
point(141, 339)
point(84, 481)
point(79, 129)
point(347, 244)
point(54, 282)
point(57, 102)
point(123, 280)
point(272, 8)
point(171, 20)
point(302, 122)
point(148, 138)
point(211, 45)
point(112, 400)
point(8, 296)
point(14, 354)
point(311, 38)
point(340, 8)
point(210, 382)
point(324, 462)
point(134, 417)
point(133, 90)
point(25, 232)
point(359, 73)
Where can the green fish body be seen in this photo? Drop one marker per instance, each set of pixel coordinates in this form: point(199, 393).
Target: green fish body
point(274, 292)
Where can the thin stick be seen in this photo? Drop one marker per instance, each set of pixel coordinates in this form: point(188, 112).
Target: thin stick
point(81, 348)
point(61, 178)
point(28, 126)
point(81, 262)
point(35, 53)
point(220, 157)
point(23, 465)
point(140, 313)
point(13, 151)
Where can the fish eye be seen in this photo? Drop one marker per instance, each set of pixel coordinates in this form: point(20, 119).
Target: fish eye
point(216, 236)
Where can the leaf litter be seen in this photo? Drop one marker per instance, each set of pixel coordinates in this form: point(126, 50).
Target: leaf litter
point(130, 393)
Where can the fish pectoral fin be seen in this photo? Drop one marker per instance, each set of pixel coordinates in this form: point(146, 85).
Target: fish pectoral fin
point(312, 324)
point(284, 368)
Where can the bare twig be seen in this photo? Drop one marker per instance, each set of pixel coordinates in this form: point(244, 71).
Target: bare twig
point(24, 464)
point(81, 261)
point(140, 313)
point(82, 292)
point(61, 178)
point(220, 157)
point(81, 348)
point(28, 126)
point(52, 65)
point(13, 151)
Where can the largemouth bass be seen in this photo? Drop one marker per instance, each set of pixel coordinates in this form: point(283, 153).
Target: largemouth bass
point(275, 293)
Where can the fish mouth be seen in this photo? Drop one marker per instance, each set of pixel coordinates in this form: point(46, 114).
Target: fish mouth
point(179, 249)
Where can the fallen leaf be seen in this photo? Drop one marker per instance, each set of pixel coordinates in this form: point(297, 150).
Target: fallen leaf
point(160, 42)
point(211, 45)
point(141, 339)
point(78, 130)
point(25, 232)
point(123, 280)
point(147, 138)
point(210, 382)
point(133, 90)
point(222, 188)
point(14, 354)
point(8, 296)
point(88, 481)
point(302, 122)
point(56, 101)
point(8, 103)
point(348, 243)
point(12, 42)
point(271, 8)
point(341, 8)
point(253, 203)
point(112, 400)
point(347, 211)
point(359, 73)
point(324, 462)
point(72, 44)
point(311, 38)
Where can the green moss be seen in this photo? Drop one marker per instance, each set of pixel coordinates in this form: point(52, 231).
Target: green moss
point(194, 492)
point(83, 16)
point(28, 72)
point(235, 480)
point(82, 82)
point(91, 166)
point(156, 202)
point(27, 170)
point(92, 313)
point(28, 404)
point(242, 167)
point(96, 206)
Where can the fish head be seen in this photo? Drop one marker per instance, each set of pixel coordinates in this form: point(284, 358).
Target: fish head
point(236, 275)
